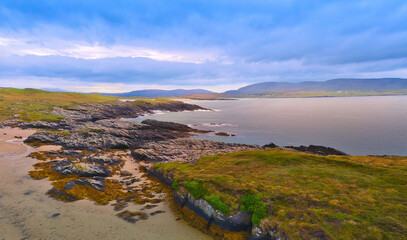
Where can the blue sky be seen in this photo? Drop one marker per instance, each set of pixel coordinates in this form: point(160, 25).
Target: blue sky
point(117, 45)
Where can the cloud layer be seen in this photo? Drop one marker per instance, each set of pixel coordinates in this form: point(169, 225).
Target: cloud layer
point(117, 45)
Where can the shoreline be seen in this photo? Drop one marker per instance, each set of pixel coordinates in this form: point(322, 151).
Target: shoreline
point(36, 215)
point(83, 139)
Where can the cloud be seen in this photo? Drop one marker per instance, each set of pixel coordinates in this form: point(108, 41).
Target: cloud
point(200, 43)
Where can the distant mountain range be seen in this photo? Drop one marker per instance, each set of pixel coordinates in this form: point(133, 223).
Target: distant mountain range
point(343, 84)
point(159, 93)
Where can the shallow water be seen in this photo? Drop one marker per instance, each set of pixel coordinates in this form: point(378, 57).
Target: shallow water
point(26, 212)
point(355, 125)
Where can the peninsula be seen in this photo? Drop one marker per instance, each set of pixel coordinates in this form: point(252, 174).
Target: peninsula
point(229, 191)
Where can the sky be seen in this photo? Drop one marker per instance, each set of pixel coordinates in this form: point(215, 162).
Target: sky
point(120, 46)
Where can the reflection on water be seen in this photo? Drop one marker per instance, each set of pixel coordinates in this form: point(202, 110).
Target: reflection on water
point(356, 125)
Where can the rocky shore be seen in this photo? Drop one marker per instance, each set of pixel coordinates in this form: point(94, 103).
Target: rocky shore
point(97, 144)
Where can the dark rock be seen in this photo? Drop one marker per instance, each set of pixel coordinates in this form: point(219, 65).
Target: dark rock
point(270, 145)
point(185, 150)
point(125, 173)
point(82, 170)
point(240, 221)
point(96, 184)
point(40, 124)
point(69, 185)
point(55, 215)
point(132, 217)
point(167, 125)
point(18, 137)
point(223, 134)
point(129, 182)
point(156, 212)
point(53, 192)
point(69, 153)
point(100, 160)
point(150, 206)
point(265, 232)
point(28, 192)
point(120, 205)
point(319, 150)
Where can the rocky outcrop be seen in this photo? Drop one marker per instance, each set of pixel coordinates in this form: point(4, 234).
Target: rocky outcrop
point(107, 133)
point(240, 221)
point(185, 150)
point(265, 232)
point(94, 112)
point(319, 150)
point(103, 161)
point(81, 169)
point(168, 125)
point(96, 183)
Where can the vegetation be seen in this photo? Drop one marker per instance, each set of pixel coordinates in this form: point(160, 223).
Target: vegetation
point(175, 186)
point(303, 195)
point(33, 104)
point(217, 203)
point(252, 203)
point(195, 188)
point(144, 102)
point(305, 94)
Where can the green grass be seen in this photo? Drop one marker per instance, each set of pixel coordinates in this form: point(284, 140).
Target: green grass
point(195, 188)
point(252, 203)
point(33, 104)
point(344, 197)
point(216, 202)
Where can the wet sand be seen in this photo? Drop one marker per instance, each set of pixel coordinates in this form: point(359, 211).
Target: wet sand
point(26, 212)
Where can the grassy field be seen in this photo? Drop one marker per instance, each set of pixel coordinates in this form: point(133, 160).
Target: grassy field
point(304, 195)
point(142, 101)
point(34, 104)
point(305, 94)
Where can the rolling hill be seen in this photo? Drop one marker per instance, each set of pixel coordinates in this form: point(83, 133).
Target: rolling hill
point(159, 93)
point(343, 84)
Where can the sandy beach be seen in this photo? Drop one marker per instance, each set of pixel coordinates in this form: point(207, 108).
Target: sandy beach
point(26, 212)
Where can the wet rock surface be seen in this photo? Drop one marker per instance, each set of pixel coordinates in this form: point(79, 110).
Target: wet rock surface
point(81, 169)
point(132, 217)
point(185, 150)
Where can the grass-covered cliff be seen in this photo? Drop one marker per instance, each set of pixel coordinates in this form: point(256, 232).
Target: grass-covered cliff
point(304, 196)
point(33, 104)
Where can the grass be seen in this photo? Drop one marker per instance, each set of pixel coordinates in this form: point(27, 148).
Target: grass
point(146, 102)
point(33, 104)
point(307, 196)
point(305, 94)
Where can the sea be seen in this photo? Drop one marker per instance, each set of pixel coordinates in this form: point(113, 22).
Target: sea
point(355, 125)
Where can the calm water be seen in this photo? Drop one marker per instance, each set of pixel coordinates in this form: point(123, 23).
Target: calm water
point(355, 125)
